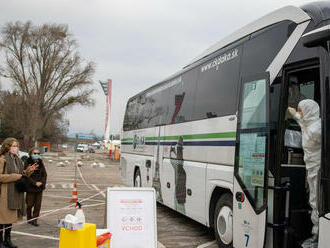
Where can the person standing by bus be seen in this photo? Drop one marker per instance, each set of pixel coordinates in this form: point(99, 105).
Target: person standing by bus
point(308, 117)
point(37, 185)
point(11, 200)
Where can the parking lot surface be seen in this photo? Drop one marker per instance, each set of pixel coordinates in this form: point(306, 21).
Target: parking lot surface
point(97, 173)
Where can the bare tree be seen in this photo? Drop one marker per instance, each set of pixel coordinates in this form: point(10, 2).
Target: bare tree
point(56, 129)
point(13, 116)
point(47, 71)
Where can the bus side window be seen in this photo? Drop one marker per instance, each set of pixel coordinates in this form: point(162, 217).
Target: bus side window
point(217, 86)
point(307, 89)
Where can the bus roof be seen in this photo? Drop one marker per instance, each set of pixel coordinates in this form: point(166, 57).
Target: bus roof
point(290, 13)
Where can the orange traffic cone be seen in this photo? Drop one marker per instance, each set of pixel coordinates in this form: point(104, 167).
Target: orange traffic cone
point(74, 193)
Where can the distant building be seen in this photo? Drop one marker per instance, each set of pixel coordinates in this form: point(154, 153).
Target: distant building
point(82, 138)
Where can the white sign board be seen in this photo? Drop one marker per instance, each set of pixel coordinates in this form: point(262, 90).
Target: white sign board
point(131, 217)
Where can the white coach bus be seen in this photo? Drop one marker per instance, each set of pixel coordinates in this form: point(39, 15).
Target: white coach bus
point(214, 138)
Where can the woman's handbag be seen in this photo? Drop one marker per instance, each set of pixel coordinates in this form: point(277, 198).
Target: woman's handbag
point(22, 184)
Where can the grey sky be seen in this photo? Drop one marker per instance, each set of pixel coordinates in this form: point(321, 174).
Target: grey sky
point(137, 43)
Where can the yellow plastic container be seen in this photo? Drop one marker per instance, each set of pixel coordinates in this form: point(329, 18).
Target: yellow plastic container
point(81, 238)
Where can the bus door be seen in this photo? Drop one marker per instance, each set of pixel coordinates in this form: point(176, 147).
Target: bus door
point(251, 163)
point(324, 207)
point(320, 39)
point(292, 213)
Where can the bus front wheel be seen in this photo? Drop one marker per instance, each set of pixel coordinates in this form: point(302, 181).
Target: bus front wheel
point(223, 221)
point(137, 178)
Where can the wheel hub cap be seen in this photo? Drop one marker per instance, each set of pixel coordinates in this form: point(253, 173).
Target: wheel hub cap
point(225, 225)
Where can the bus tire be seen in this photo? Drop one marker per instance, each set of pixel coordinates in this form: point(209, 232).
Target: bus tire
point(137, 178)
point(223, 221)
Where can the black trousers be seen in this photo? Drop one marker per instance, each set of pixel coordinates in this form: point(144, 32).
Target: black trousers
point(33, 200)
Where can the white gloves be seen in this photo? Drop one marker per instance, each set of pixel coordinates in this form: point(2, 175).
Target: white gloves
point(292, 111)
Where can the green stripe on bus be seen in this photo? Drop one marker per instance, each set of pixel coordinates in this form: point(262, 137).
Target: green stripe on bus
point(196, 136)
point(151, 138)
point(126, 139)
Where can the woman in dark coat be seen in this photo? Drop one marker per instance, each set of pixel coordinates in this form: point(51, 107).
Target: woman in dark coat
point(11, 200)
point(37, 185)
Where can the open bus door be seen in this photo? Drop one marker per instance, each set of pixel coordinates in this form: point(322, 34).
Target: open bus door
point(321, 38)
point(324, 175)
point(251, 163)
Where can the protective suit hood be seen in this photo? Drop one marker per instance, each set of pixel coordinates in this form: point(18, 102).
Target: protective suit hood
point(311, 111)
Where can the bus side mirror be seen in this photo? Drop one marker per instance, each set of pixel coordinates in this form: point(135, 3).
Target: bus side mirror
point(317, 37)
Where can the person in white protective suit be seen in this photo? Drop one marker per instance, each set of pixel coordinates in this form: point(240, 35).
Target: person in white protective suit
point(308, 117)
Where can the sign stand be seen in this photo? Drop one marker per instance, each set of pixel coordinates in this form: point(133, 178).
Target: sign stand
point(131, 217)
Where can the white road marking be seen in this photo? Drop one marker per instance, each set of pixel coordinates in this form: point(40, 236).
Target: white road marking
point(64, 179)
point(79, 184)
point(64, 174)
point(57, 196)
point(70, 185)
point(69, 197)
point(160, 245)
point(67, 185)
point(99, 184)
point(84, 206)
point(65, 171)
point(52, 185)
point(78, 190)
point(206, 244)
point(95, 187)
point(35, 235)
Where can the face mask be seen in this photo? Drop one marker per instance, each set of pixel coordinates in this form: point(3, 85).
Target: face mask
point(298, 116)
point(35, 156)
point(13, 150)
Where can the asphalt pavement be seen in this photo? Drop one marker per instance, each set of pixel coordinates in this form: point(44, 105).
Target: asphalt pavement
point(98, 172)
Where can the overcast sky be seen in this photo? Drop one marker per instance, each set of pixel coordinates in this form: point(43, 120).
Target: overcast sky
point(137, 43)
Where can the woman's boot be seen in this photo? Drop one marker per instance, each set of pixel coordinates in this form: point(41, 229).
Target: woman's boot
point(7, 241)
point(1, 237)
